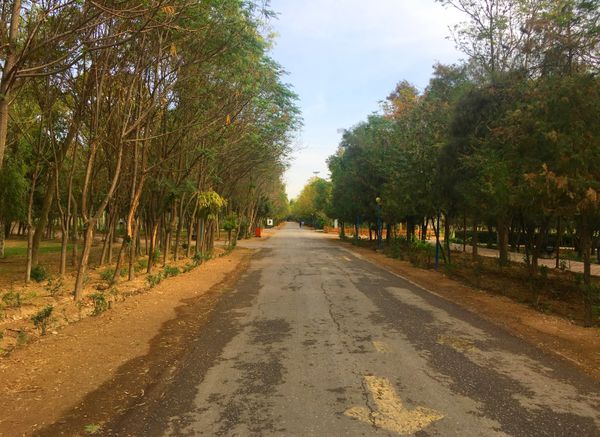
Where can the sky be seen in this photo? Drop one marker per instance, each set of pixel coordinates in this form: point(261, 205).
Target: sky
point(343, 57)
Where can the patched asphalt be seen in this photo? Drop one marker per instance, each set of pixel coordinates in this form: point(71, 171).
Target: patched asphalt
point(292, 347)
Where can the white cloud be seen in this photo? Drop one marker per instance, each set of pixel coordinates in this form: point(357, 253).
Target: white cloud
point(344, 56)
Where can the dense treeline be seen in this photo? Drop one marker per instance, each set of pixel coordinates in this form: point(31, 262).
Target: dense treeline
point(154, 120)
point(312, 206)
point(509, 140)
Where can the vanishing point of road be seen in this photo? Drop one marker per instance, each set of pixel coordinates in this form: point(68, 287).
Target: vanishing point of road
point(315, 341)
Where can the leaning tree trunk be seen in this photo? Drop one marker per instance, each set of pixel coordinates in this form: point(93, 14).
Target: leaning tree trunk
point(152, 248)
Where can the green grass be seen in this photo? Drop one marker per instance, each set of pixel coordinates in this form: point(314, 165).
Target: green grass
point(46, 247)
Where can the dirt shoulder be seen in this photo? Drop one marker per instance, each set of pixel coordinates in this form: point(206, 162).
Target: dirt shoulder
point(575, 344)
point(126, 347)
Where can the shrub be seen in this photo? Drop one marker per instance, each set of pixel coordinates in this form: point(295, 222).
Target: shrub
point(22, 338)
point(42, 318)
point(169, 271)
point(107, 274)
point(154, 280)
point(544, 272)
point(156, 255)
point(12, 299)
point(100, 303)
point(55, 288)
point(39, 273)
point(142, 263)
point(188, 267)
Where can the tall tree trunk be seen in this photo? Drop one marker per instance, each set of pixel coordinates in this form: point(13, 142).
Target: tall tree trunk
point(590, 291)
point(152, 249)
point(179, 230)
point(84, 260)
point(132, 251)
point(464, 232)
point(475, 239)
point(503, 241)
point(8, 75)
point(2, 237)
point(558, 242)
point(447, 237)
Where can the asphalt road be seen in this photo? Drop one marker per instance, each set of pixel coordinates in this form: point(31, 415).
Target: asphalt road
point(314, 341)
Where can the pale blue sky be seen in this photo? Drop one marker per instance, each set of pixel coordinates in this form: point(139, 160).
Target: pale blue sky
point(345, 56)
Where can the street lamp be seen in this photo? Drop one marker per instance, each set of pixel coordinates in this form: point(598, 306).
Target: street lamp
point(378, 201)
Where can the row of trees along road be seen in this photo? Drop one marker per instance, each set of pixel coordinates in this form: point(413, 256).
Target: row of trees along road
point(159, 116)
point(509, 139)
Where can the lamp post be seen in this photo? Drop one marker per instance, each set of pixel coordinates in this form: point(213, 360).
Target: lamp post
point(378, 201)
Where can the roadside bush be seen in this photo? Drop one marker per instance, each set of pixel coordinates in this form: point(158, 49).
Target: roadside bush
point(41, 319)
point(107, 275)
point(199, 258)
point(169, 271)
point(22, 338)
point(141, 264)
point(39, 273)
point(100, 303)
point(12, 299)
point(55, 287)
point(154, 280)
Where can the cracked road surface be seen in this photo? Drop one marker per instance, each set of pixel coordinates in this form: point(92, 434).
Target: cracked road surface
point(314, 341)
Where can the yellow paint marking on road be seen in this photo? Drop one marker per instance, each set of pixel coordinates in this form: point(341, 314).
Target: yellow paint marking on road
point(380, 346)
point(457, 343)
point(390, 414)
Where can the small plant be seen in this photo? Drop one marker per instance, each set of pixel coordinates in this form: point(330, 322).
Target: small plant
point(100, 303)
point(107, 275)
point(156, 255)
point(169, 271)
point(80, 305)
point(12, 299)
point(562, 265)
point(544, 272)
point(39, 273)
point(92, 429)
point(141, 265)
point(198, 258)
point(42, 318)
point(55, 287)
point(188, 268)
point(154, 280)
point(22, 338)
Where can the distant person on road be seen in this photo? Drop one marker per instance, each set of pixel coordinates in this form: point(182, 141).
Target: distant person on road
point(301, 224)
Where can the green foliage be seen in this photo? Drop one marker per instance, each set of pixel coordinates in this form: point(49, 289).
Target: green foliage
point(169, 271)
point(12, 299)
point(55, 287)
point(42, 318)
point(154, 279)
point(312, 204)
point(230, 222)
point(100, 303)
point(22, 338)
point(210, 203)
point(142, 264)
point(92, 429)
point(39, 273)
point(107, 274)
